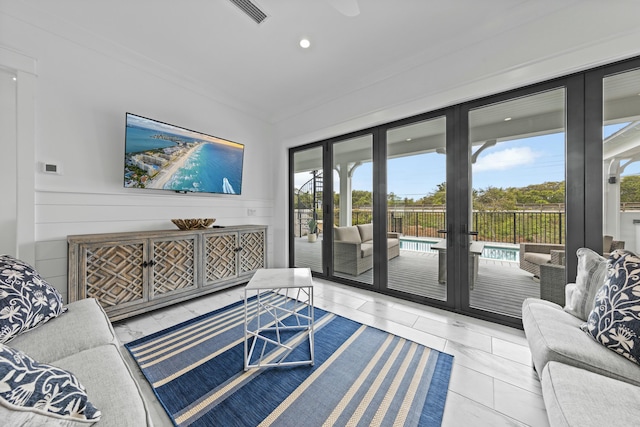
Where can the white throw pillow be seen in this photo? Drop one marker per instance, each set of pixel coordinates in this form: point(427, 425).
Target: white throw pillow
point(592, 272)
point(38, 394)
point(26, 299)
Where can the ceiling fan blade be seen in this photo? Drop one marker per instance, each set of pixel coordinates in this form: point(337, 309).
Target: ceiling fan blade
point(346, 7)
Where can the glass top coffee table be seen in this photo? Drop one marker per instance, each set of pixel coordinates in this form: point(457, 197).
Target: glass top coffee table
point(280, 320)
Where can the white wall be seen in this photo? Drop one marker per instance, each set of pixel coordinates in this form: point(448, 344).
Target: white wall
point(8, 171)
point(83, 88)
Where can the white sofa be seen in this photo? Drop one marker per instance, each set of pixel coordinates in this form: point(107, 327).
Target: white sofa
point(60, 365)
point(353, 248)
point(583, 382)
point(83, 342)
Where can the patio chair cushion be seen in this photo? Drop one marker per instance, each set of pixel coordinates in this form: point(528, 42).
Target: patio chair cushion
point(366, 249)
point(537, 258)
point(348, 234)
point(592, 272)
point(366, 231)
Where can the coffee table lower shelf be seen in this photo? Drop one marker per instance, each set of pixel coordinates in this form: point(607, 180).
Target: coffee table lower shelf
point(281, 320)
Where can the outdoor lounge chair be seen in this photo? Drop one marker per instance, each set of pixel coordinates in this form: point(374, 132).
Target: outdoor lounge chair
point(353, 248)
point(532, 255)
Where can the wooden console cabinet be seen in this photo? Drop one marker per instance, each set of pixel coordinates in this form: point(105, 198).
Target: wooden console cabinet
point(131, 273)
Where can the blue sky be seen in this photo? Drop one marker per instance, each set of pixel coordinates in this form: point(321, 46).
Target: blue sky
point(516, 163)
point(509, 164)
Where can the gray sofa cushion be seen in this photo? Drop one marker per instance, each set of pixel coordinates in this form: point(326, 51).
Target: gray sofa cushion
point(592, 272)
point(576, 397)
point(83, 326)
point(110, 385)
point(347, 234)
point(555, 335)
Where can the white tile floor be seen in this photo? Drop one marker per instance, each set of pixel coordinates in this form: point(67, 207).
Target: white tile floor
point(492, 384)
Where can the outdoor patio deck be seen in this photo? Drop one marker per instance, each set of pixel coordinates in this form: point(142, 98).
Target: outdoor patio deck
point(501, 286)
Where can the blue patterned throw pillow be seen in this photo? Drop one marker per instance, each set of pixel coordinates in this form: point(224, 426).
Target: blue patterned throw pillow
point(33, 393)
point(615, 318)
point(26, 299)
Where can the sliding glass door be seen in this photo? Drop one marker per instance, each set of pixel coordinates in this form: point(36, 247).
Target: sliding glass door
point(417, 208)
point(516, 216)
point(353, 243)
point(621, 161)
point(480, 205)
point(307, 209)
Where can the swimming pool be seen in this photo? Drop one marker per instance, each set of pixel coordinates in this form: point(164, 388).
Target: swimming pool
point(497, 252)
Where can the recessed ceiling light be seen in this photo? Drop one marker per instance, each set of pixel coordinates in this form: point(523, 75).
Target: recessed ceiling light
point(507, 119)
point(14, 78)
point(305, 43)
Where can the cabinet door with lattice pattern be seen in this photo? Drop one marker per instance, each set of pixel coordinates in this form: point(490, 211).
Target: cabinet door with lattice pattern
point(113, 273)
point(220, 258)
point(252, 251)
point(173, 265)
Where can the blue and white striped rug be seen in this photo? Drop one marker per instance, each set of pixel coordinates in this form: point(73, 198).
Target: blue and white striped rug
point(362, 376)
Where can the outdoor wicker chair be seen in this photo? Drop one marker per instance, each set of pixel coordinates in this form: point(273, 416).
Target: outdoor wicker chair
point(532, 255)
point(552, 283)
point(553, 277)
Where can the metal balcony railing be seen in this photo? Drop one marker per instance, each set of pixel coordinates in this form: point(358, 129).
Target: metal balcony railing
point(495, 226)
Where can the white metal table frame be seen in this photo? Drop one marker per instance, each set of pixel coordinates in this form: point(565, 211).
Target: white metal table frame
point(269, 287)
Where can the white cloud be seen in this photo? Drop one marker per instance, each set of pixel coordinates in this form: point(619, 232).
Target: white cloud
point(506, 159)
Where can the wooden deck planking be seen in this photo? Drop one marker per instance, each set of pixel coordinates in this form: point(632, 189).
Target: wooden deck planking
point(501, 286)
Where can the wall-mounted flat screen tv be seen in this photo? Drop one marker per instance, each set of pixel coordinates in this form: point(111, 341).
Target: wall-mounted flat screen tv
point(167, 157)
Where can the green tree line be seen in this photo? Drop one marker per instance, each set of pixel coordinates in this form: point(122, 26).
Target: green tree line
point(486, 199)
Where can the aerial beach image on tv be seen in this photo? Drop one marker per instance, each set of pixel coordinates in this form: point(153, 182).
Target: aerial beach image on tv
point(163, 156)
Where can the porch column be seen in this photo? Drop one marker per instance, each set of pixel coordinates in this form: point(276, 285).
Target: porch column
point(345, 173)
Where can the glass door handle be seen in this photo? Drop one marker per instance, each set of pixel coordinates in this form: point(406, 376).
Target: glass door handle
point(449, 236)
point(465, 231)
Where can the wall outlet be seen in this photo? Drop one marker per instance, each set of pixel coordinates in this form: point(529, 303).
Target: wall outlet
point(51, 168)
point(251, 212)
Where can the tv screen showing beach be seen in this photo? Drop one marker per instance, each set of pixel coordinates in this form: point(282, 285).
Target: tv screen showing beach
point(166, 157)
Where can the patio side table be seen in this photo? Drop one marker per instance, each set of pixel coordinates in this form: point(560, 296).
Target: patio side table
point(475, 250)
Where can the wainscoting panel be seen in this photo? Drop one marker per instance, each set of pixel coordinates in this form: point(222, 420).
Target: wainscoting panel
point(51, 263)
point(59, 214)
